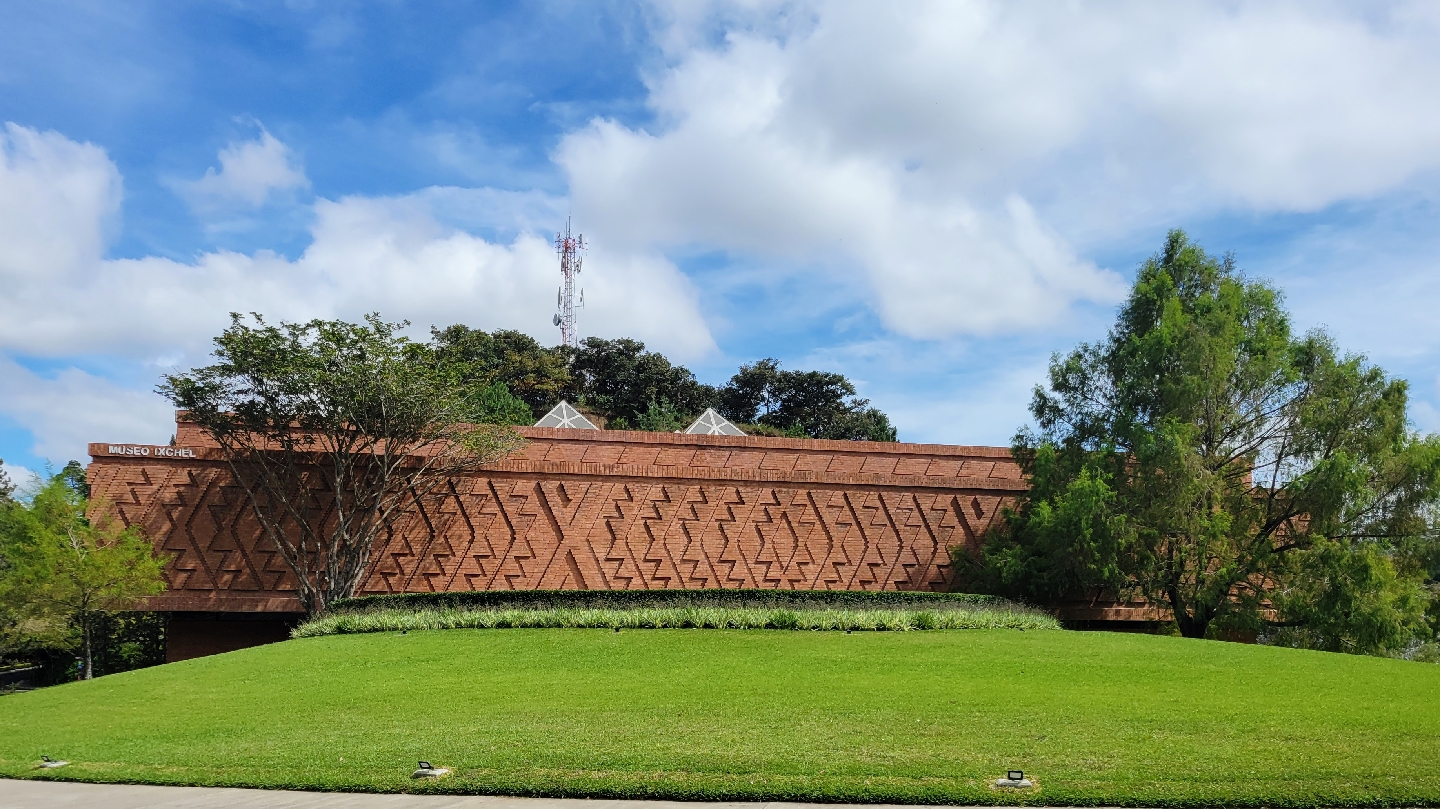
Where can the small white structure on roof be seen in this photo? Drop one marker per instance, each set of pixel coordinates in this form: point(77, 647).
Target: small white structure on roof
point(712, 423)
point(565, 416)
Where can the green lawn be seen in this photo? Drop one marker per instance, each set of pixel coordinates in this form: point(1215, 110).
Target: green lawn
point(873, 716)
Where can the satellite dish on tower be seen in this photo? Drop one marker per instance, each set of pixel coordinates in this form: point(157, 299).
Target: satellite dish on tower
point(556, 320)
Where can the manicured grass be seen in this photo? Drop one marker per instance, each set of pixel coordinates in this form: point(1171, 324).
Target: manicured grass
point(873, 716)
point(968, 616)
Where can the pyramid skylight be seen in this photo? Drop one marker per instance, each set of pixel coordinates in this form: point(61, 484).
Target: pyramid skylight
point(712, 423)
point(566, 417)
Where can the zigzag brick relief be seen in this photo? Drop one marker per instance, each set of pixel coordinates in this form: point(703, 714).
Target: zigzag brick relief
point(579, 509)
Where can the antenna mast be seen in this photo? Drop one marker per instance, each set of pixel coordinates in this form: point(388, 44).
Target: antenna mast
point(571, 250)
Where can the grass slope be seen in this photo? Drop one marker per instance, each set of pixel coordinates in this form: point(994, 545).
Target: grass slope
point(825, 716)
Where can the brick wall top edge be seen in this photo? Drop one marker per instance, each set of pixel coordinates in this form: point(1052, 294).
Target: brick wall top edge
point(191, 436)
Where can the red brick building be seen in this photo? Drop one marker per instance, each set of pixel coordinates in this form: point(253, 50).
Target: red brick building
point(580, 509)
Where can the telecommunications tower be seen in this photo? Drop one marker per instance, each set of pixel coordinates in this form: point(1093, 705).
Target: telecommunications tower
point(571, 251)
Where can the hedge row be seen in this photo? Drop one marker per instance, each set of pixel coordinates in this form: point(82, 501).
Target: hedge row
point(850, 620)
point(633, 599)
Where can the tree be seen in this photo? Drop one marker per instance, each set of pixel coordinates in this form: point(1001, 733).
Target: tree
point(1207, 459)
point(477, 360)
point(817, 404)
point(494, 404)
point(7, 486)
point(632, 387)
point(661, 417)
point(65, 571)
point(620, 379)
point(354, 413)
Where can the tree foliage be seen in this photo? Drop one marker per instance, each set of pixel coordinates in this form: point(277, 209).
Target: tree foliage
point(634, 388)
point(1209, 460)
point(353, 412)
point(494, 404)
point(7, 486)
point(64, 573)
point(478, 360)
point(817, 404)
point(661, 417)
point(620, 379)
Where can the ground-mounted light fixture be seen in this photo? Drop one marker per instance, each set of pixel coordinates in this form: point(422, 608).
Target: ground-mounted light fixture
point(428, 770)
point(1014, 779)
point(47, 763)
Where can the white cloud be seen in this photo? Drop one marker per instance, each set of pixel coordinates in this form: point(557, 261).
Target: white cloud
point(72, 408)
point(22, 478)
point(250, 171)
point(402, 256)
point(952, 153)
point(58, 198)
point(393, 255)
point(956, 160)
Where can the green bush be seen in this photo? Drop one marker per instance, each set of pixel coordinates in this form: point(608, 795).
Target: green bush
point(401, 619)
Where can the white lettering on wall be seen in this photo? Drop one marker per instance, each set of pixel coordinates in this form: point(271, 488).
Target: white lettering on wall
point(146, 451)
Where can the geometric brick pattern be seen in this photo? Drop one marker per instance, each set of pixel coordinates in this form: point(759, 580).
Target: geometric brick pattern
point(597, 510)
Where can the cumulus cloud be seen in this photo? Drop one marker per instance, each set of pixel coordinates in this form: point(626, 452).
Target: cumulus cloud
point(958, 162)
point(407, 257)
point(389, 255)
point(250, 171)
point(68, 410)
point(58, 200)
point(958, 155)
point(22, 478)
point(393, 255)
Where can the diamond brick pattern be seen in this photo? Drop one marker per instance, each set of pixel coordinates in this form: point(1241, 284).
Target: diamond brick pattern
point(583, 509)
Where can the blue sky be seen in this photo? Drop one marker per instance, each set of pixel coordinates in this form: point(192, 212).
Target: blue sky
point(930, 197)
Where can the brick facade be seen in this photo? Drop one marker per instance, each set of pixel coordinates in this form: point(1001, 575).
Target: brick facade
point(597, 510)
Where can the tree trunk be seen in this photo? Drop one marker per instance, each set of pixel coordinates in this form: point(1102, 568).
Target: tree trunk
point(89, 658)
point(1191, 627)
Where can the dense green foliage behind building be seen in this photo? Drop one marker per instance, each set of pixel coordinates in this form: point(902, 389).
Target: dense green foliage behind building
point(629, 387)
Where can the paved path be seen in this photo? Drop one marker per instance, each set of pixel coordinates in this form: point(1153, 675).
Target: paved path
point(63, 795)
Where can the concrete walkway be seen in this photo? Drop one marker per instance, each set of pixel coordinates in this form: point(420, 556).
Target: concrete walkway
point(63, 795)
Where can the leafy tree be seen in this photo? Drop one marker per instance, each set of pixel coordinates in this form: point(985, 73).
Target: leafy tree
point(1340, 598)
point(65, 573)
point(74, 476)
point(477, 360)
point(661, 417)
point(10, 632)
point(355, 411)
point(7, 486)
point(494, 404)
point(1207, 459)
point(623, 382)
point(817, 404)
point(621, 379)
